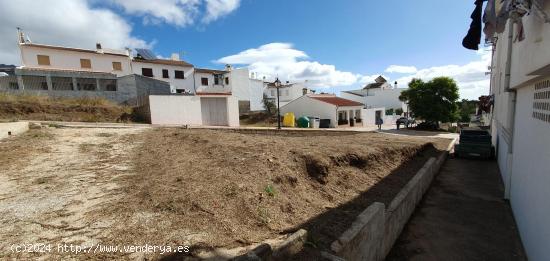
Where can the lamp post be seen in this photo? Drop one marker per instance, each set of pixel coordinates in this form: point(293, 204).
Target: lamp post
point(277, 84)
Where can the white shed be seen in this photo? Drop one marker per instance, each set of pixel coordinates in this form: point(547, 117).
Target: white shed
point(197, 110)
point(326, 106)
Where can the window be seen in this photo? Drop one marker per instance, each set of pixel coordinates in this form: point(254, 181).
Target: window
point(226, 80)
point(86, 84)
point(147, 72)
point(179, 74)
point(204, 81)
point(117, 66)
point(62, 83)
point(85, 63)
point(165, 74)
point(43, 59)
point(273, 93)
point(218, 79)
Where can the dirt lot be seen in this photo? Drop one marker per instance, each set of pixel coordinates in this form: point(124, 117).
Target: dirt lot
point(203, 188)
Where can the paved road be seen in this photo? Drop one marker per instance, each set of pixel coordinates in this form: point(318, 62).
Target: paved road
point(462, 217)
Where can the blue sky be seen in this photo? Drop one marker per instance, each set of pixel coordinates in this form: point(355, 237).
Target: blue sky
point(335, 45)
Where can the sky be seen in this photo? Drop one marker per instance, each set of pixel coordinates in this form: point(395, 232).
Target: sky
point(333, 45)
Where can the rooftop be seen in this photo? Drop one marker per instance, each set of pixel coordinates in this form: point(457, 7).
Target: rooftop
point(335, 100)
point(164, 61)
point(103, 51)
point(212, 71)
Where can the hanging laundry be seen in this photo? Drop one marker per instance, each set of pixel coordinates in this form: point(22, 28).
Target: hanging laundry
point(473, 38)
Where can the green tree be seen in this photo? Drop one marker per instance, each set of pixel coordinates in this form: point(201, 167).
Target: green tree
point(399, 111)
point(466, 109)
point(269, 105)
point(433, 101)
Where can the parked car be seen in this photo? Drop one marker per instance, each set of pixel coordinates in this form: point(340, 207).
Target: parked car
point(405, 121)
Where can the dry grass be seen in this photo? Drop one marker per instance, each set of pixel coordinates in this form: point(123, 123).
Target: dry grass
point(39, 107)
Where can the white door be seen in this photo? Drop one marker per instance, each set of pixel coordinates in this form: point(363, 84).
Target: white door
point(214, 111)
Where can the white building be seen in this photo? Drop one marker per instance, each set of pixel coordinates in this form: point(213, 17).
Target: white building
point(521, 123)
point(339, 111)
point(287, 92)
point(48, 57)
point(194, 110)
point(247, 89)
point(377, 94)
point(174, 71)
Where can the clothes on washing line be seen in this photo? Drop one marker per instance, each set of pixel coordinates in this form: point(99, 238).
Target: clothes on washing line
point(473, 38)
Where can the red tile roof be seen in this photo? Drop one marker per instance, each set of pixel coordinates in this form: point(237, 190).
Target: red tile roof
point(336, 100)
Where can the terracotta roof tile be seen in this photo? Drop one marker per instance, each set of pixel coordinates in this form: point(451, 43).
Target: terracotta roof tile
point(334, 100)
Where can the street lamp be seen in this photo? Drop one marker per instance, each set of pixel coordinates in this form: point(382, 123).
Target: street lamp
point(277, 84)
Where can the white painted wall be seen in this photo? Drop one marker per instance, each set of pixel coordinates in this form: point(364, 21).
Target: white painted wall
point(175, 110)
point(530, 180)
point(211, 87)
point(286, 94)
point(376, 98)
point(70, 60)
point(186, 83)
point(186, 110)
point(370, 116)
point(306, 106)
point(246, 89)
point(525, 171)
point(233, 111)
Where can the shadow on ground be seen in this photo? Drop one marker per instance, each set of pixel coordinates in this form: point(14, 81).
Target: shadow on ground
point(463, 217)
point(328, 226)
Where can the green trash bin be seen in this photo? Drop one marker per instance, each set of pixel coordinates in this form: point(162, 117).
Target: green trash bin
point(303, 122)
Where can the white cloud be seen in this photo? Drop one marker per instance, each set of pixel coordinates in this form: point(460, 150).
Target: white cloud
point(218, 8)
point(62, 22)
point(470, 78)
point(400, 69)
point(178, 12)
point(281, 59)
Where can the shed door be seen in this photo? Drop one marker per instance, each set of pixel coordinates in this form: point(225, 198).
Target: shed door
point(214, 111)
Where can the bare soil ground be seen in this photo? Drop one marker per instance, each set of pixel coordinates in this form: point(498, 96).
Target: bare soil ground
point(204, 188)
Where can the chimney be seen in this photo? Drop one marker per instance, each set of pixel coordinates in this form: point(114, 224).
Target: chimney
point(98, 46)
point(228, 67)
point(175, 57)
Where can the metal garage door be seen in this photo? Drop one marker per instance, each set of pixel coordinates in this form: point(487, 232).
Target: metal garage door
point(214, 111)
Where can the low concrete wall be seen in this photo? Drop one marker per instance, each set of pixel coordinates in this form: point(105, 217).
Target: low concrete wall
point(363, 240)
point(374, 232)
point(13, 128)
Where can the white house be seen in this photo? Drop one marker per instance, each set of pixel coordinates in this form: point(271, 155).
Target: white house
point(520, 84)
point(174, 71)
point(377, 94)
point(247, 89)
point(48, 57)
point(339, 111)
point(287, 92)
